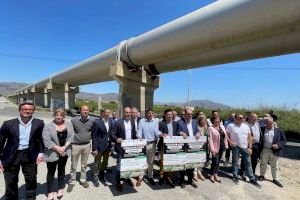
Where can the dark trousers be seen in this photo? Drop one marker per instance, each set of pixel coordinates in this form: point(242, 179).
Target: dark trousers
point(190, 174)
point(118, 169)
point(60, 164)
point(227, 153)
point(215, 162)
point(100, 163)
point(255, 156)
point(11, 176)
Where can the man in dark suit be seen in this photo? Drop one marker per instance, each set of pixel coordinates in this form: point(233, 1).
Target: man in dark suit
point(101, 131)
point(168, 127)
point(124, 130)
point(273, 141)
point(21, 145)
point(135, 116)
point(188, 127)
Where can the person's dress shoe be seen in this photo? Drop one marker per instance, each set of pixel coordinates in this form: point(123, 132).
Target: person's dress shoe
point(261, 178)
point(243, 177)
point(139, 183)
point(119, 187)
point(96, 182)
point(276, 182)
point(60, 197)
point(169, 182)
point(161, 181)
point(151, 181)
point(129, 182)
point(193, 184)
point(235, 180)
point(255, 183)
point(70, 188)
point(85, 184)
point(182, 185)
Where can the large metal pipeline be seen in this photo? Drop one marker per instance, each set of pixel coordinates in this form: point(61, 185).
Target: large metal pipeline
point(222, 32)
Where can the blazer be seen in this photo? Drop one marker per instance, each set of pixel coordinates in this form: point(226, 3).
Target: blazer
point(10, 136)
point(182, 127)
point(50, 140)
point(100, 137)
point(214, 139)
point(279, 139)
point(119, 132)
point(163, 127)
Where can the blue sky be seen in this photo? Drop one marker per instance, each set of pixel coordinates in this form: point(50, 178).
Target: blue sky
point(43, 37)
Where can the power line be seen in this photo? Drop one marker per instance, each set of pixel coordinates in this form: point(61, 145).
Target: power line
point(210, 68)
point(39, 58)
point(255, 68)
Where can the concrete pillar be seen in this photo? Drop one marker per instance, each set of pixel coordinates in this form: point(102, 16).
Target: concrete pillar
point(46, 97)
point(60, 96)
point(57, 96)
point(135, 88)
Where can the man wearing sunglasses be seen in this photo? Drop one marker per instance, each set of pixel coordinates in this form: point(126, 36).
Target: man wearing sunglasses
point(241, 143)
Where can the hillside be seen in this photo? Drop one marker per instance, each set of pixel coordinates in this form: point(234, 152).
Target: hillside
point(9, 87)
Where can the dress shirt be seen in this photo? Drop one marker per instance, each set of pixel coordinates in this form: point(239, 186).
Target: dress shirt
point(190, 128)
point(106, 124)
point(170, 128)
point(255, 131)
point(24, 130)
point(268, 137)
point(128, 128)
point(148, 129)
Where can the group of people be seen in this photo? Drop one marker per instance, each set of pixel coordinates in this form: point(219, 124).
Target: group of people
point(26, 142)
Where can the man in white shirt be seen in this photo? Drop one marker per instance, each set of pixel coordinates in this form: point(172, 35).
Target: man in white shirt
point(125, 130)
point(241, 142)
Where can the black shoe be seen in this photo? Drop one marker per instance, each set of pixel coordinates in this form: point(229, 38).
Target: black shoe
point(235, 180)
point(60, 197)
point(161, 181)
point(96, 182)
point(255, 183)
point(243, 177)
point(169, 182)
point(119, 187)
point(151, 181)
point(70, 188)
point(129, 182)
point(109, 170)
point(276, 182)
point(182, 185)
point(102, 178)
point(193, 184)
point(261, 178)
